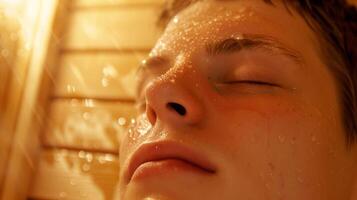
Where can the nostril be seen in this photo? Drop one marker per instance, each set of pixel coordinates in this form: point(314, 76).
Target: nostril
point(177, 107)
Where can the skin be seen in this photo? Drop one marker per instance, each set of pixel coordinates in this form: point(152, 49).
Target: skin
point(280, 139)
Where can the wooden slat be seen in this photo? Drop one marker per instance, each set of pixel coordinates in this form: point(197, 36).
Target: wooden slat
point(75, 175)
point(132, 28)
point(101, 75)
point(95, 3)
point(87, 124)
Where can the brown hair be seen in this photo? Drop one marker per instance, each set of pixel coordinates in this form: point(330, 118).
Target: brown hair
point(335, 21)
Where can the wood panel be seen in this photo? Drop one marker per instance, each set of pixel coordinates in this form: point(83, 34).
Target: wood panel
point(132, 28)
point(100, 75)
point(75, 175)
point(96, 3)
point(87, 124)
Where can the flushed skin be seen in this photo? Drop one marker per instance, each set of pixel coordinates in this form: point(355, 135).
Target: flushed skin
point(281, 138)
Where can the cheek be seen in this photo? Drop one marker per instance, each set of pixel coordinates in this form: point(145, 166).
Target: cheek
point(282, 120)
point(254, 127)
point(136, 134)
point(278, 143)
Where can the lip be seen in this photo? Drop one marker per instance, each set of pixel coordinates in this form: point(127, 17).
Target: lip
point(162, 151)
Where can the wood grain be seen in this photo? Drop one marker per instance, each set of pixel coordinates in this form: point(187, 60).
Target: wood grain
point(87, 124)
point(132, 28)
point(75, 175)
point(99, 75)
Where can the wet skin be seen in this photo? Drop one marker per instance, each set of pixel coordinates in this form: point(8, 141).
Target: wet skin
point(260, 104)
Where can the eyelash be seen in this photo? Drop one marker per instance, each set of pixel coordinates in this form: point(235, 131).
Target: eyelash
point(251, 82)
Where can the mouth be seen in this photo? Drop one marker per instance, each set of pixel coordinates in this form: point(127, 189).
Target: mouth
point(159, 158)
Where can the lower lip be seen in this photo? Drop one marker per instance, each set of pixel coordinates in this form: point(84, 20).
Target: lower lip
point(162, 167)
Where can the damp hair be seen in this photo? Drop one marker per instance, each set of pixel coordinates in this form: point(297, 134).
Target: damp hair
point(335, 21)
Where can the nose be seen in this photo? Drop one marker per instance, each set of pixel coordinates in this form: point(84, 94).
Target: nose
point(172, 101)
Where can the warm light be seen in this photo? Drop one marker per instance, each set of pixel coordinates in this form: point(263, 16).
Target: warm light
point(10, 2)
point(12, 8)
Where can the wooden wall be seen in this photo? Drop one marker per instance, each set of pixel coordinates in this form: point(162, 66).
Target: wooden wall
point(92, 101)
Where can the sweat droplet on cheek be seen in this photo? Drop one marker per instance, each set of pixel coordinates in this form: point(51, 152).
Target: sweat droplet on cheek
point(139, 128)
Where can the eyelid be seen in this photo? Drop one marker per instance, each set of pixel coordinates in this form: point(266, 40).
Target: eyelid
point(256, 82)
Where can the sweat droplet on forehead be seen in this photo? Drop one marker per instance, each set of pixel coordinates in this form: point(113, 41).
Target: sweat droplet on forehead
point(175, 20)
point(199, 24)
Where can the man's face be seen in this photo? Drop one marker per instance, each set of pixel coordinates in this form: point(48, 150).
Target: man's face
point(239, 89)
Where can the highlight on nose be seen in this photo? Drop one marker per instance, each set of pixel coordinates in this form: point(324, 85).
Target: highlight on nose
point(181, 110)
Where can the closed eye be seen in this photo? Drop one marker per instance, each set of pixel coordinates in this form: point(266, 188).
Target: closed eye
point(254, 82)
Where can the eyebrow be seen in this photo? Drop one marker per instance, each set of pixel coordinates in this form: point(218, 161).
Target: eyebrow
point(246, 42)
point(234, 45)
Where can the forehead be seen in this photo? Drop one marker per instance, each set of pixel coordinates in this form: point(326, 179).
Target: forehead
point(207, 21)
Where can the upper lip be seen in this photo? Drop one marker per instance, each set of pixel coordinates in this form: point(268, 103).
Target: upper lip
point(161, 150)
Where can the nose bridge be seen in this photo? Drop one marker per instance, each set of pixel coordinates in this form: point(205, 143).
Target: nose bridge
point(182, 69)
point(171, 98)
